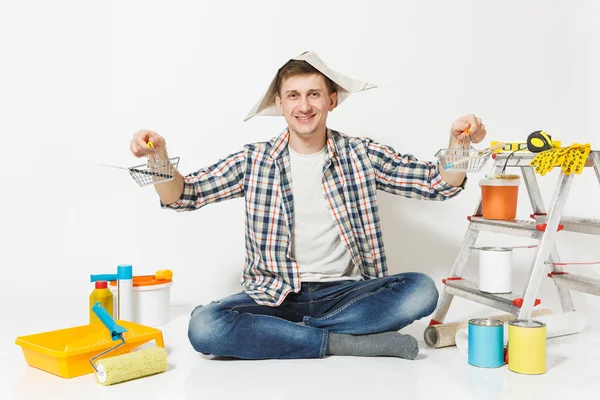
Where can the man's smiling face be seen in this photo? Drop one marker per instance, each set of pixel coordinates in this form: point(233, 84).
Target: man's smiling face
point(305, 101)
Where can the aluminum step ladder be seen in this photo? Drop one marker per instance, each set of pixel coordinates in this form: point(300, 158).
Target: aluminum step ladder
point(543, 226)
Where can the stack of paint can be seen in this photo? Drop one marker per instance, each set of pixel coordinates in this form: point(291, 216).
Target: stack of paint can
point(526, 349)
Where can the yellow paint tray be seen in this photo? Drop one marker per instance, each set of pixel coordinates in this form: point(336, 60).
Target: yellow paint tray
point(67, 352)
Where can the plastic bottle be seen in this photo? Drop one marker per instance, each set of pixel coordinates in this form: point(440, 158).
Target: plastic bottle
point(101, 294)
point(125, 292)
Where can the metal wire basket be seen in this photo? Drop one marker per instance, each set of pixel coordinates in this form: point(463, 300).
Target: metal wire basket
point(463, 160)
point(156, 170)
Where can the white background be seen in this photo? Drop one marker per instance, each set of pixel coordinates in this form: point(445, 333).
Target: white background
point(78, 78)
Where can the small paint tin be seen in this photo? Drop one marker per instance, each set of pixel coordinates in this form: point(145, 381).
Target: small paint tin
point(486, 342)
point(495, 265)
point(527, 346)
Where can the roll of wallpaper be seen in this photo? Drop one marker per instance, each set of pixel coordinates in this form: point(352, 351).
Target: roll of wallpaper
point(557, 325)
point(444, 335)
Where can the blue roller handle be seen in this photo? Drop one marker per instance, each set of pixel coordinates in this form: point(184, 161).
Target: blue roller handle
point(115, 329)
point(104, 277)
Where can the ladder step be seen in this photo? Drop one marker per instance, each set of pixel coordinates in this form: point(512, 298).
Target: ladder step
point(577, 282)
point(574, 224)
point(470, 290)
point(516, 227)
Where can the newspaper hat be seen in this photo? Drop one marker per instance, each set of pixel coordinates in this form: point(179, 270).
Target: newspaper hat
point(266, 106)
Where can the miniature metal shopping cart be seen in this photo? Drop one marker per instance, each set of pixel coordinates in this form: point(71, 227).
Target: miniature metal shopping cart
point(463, 160)
point(156, 170)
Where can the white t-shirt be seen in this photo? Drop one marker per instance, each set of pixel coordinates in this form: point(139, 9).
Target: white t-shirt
point(316, 243)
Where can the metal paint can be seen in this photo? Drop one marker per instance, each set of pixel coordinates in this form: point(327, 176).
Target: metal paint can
point(486, 342)
point(495, 265)
point(527, 346)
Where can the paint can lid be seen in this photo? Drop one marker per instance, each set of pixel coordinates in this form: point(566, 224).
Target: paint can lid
point(486, 322)
point(145, 280)
point(495, 248)
point(499, 182)
point(527, 323)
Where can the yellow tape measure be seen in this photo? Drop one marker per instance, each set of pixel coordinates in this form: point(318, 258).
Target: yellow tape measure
point(539, 141)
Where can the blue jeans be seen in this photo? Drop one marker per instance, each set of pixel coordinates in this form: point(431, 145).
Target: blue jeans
point(299, 328)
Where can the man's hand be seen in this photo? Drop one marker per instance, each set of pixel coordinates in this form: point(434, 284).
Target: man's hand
point(168, 191)
point(139, 144)
point(468, 129)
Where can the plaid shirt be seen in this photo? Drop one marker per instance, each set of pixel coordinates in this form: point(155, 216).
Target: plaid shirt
point(354, 169)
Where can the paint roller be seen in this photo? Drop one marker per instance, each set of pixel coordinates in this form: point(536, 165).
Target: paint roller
point(125, 367)
point(563, 324)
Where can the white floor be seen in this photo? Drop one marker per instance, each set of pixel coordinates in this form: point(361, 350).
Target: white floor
point(572, 363)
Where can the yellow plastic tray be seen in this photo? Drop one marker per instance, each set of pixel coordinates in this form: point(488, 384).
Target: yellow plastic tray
point(67, 352)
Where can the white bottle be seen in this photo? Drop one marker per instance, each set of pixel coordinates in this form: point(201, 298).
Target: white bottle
point(125, 292)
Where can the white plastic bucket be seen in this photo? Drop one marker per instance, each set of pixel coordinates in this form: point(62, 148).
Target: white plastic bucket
point(495, 270)
point(151, 302)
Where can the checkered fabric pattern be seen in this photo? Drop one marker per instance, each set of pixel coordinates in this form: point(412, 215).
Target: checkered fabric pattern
point(354, 170)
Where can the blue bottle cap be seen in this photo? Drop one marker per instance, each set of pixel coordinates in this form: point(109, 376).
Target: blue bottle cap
point(125, 271)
